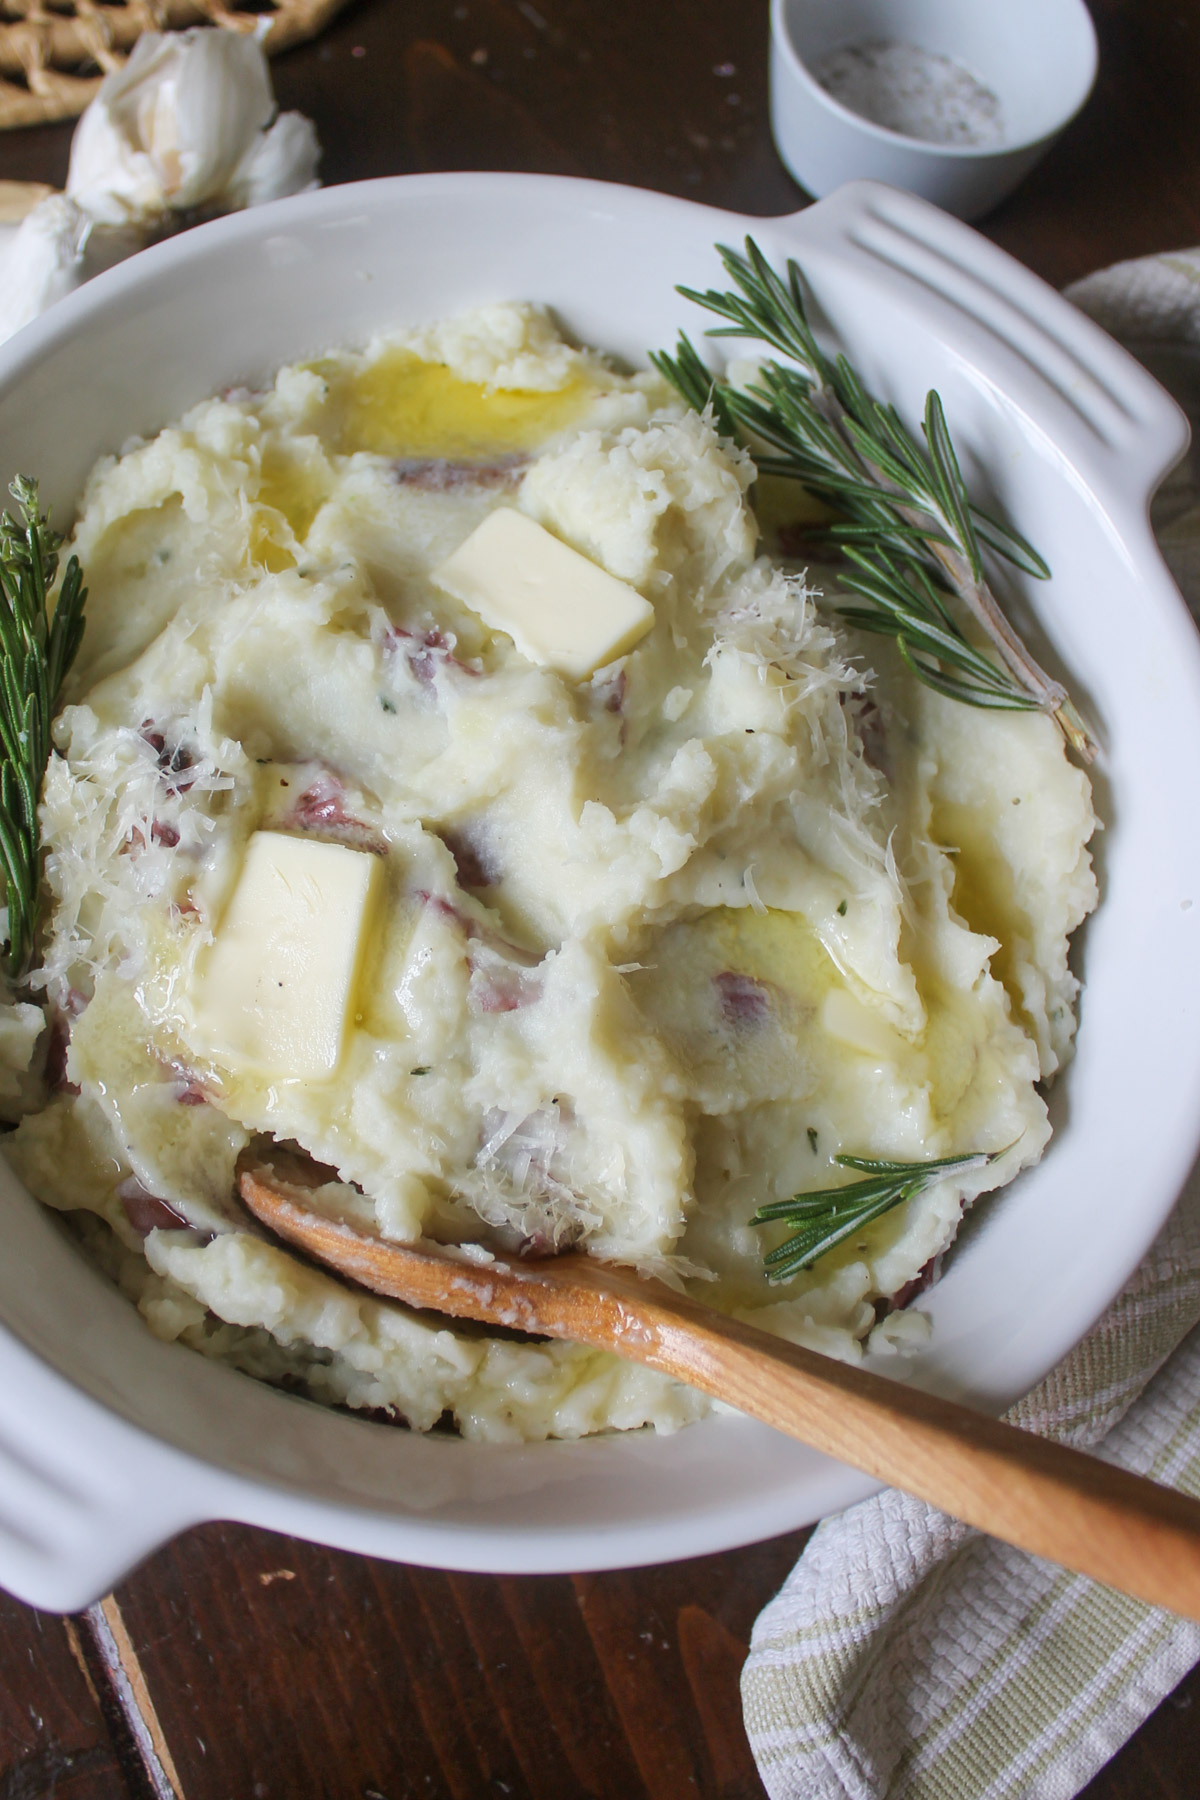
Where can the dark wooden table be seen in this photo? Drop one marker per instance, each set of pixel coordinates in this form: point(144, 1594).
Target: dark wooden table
point(240, 1666)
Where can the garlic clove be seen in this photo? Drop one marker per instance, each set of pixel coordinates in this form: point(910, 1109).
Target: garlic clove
point(109, 176)
point(222, 102)
point(43, 260)
point(279, 162)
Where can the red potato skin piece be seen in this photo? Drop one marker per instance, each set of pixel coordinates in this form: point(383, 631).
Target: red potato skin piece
point(322, 808)
point(174, 761)
point(188, 1088)
point(496, 987)
point(743, 1000)
point(323, 803)
point(470, 861)
point(874, 738)
point(614, 701)
point(425, 652)
point(146, 1212)
point(502, 989)
point(57, 1046)
point(58, 1042)
point(912, 1290)
point(439, 475)
point(161, 832)
point(473, 928)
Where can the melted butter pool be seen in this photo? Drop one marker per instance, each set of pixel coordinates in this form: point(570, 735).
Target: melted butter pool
point(774, 946)
point(294, 487)
point(404, 406)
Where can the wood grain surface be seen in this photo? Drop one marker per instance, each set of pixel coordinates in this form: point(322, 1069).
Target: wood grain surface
point(240, 1666)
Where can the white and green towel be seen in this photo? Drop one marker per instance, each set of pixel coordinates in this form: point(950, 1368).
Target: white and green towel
point(910, 1657)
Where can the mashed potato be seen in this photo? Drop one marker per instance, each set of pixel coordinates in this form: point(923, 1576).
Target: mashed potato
point(652, 946)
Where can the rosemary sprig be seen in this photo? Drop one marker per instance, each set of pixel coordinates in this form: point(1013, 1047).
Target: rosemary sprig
point(910, 535)
point(823, 1219)
point(37, 647)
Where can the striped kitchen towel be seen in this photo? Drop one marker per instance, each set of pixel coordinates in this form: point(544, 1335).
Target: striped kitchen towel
point(909, 1657)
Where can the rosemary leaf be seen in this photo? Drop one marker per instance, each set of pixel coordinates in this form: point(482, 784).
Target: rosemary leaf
point(826, 1217)
point(687, 373)
point(37, 647)
point(949, 492)
point(905, 520)
point(1009, 544)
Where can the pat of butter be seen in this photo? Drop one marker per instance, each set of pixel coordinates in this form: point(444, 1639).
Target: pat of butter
point(559, 609)
point(275, 991)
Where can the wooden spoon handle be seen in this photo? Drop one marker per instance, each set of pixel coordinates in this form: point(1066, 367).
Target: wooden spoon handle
point(1058, 1503)
point(1073, 1509)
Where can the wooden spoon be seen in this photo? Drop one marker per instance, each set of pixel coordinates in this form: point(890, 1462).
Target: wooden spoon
point(1058, 1503)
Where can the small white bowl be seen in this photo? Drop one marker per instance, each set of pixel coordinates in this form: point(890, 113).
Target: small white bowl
point(1038, 57)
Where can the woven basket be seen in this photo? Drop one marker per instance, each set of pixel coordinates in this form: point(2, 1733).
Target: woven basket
point(43, 45)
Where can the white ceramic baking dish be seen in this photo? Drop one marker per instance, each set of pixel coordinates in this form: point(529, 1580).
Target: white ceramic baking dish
point(111, 1441)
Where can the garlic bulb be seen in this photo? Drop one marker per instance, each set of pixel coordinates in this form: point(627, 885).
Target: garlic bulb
point(186, 124)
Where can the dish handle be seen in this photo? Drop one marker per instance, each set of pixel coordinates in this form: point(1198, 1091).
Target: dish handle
point(84, 1494)
point(1089, 395)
